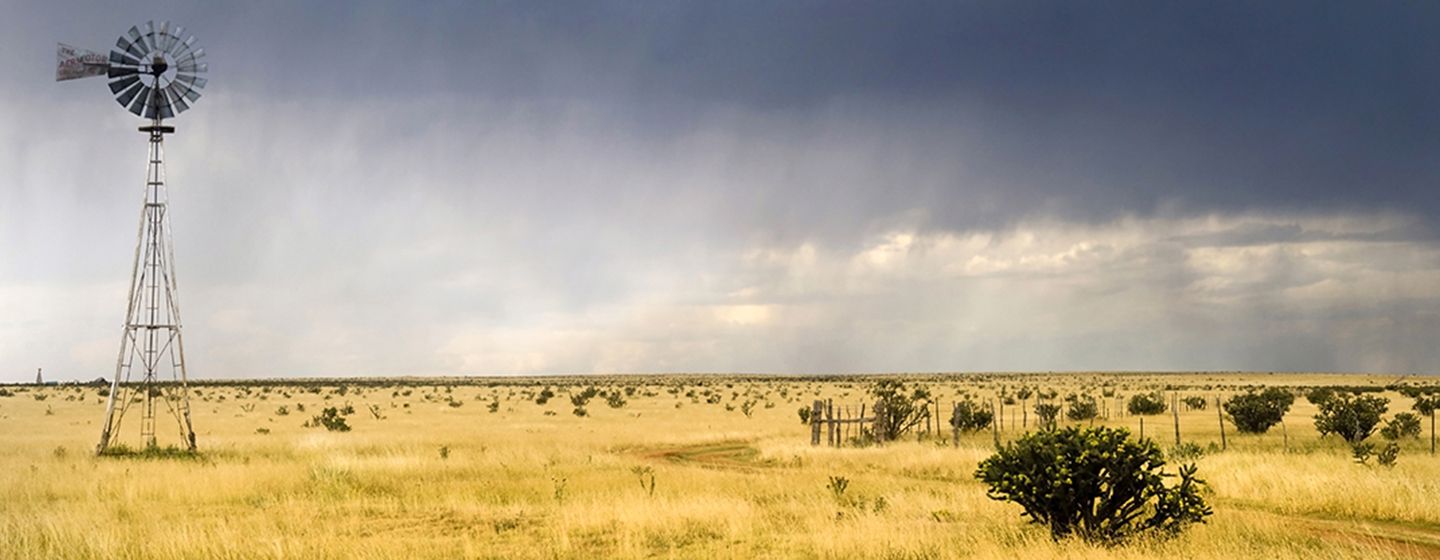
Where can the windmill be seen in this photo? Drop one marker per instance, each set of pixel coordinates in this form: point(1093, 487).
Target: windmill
point(154, 74)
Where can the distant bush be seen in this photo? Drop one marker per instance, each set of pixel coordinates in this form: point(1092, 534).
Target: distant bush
point(1046, 414)
point(1351, 417)
point(1081, 407)
point(1389, 455)
point(1319, 395)
point(579, 400)
point(1194, 403)
point(1095, 483)
point(331, 419)
point(1147, 404)
point(969, 416)
point(1427, 405)
point(899, 408)
point(1255, 413)
point(804, 413)
point(615, 400)
point(1402, 425)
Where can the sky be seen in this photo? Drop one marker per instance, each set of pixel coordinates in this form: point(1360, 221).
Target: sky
point(494, 188)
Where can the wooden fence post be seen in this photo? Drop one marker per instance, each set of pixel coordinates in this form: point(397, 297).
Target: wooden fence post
point(815, 411)
point(1175, 412)
point(830, 422)
point(1221, 415)
point(878, 426)
point(994, 427)
point(860, 423)
point(927, 419)
point(1142, 428)
point(955, 426)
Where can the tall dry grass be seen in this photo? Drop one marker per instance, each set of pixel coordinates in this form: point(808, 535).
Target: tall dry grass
point(518, 483)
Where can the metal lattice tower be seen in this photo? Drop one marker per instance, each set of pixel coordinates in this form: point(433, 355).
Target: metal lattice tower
point(152, 347)
point(154, 74)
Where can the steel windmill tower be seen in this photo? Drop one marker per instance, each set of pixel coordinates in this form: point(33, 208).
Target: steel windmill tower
point(154, 74)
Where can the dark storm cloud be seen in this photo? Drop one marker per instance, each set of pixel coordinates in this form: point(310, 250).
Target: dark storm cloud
point(1083, 110)
point(759, 186)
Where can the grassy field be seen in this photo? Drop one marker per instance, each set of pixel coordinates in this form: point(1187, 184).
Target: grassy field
point(441, 475)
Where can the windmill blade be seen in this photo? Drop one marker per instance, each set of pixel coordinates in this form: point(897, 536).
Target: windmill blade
point(123, 84)
point(117, 57)
point(138, 105)
point(150, 34)
point(129, 94)
point(176, 95)
point(197, 83)
point(191, 66)
point(162, 102)
point(72, 63)
point(138, 42)
point(128, 47)
point(121, 71)
point(175, 34)
point(152, 105)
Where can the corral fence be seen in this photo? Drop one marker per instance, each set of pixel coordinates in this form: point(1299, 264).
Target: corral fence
point(850, 423)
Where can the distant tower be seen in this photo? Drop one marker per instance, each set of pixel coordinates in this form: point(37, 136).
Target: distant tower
point(39, 379)
point(154, 75)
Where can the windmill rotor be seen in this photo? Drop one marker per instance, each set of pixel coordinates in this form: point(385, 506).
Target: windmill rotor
point(154, 71)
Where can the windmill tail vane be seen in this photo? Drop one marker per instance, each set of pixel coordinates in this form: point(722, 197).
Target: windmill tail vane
point(153, 72)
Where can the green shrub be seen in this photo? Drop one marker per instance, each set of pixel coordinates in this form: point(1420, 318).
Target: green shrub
point(1147, 404)
point(1045, 415)
point(1351, 417)
point(1255, 413)
point(1081, 407)
point(1427, 405)
point(1320, 395)
point(804, 413)
point(900, 408)
point(1094, 483)
point(969, 416)
point(1403, 425)
point(1194, 403)
point(331, 419)
point(1388, 455)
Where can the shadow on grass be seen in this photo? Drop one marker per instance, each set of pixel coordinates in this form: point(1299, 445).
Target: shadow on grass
point(154, 452)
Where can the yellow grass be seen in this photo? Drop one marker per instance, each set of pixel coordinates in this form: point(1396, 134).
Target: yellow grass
point(522, 484)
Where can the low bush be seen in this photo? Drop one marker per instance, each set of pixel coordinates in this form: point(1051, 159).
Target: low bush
point(969, 416)
point(1255, 413)
point(1147, 404)
point(1046, 414)
point(1351, 417)
point(1081, 407)
point(1094, 483)
point(1402, 425)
